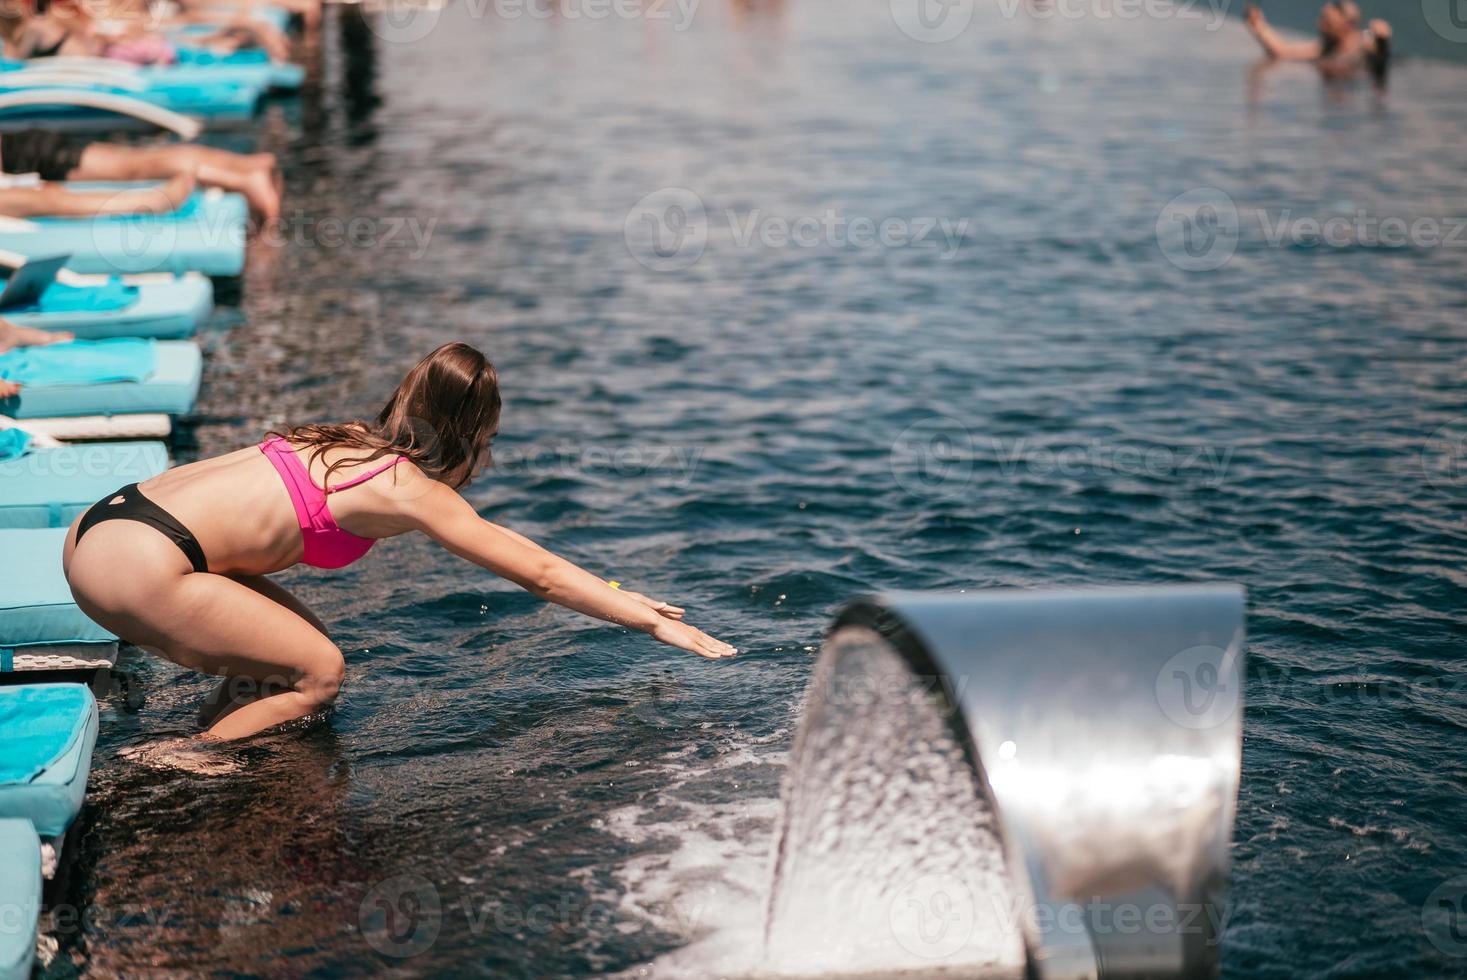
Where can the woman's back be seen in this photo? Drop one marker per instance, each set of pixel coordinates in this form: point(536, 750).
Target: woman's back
point(240, 509)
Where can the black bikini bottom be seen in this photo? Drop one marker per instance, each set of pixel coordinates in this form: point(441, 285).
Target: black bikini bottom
point(129, 504)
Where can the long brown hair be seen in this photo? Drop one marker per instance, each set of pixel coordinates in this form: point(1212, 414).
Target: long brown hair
point(441, 417)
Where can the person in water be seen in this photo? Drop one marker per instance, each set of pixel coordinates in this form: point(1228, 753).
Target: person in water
point(178, 563)
point(1342, 48)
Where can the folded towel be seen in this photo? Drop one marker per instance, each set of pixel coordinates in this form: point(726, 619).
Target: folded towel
point(13, 443)
point(80, 362)
point(39, 722)
point(60, 298)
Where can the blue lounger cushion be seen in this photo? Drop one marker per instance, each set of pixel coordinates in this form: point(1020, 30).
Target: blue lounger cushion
point(50, 731)
point(249, 67)
point(163, 309)
point(171, 389)
point(50, 487)
point(20, 894)
point(36, 607)
point(206, 235)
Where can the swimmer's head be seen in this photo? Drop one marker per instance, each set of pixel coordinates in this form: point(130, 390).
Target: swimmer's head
point(1338, 18)
point(445, 413)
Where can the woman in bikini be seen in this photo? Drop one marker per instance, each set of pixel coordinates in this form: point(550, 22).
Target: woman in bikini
point(178, 563)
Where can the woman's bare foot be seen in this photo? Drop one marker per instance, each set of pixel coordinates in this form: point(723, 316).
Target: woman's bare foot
point(194, 755)
point(264, 197)
point(14, 335)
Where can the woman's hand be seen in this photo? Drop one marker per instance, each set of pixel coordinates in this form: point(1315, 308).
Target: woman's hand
point(692, 639)
point(664, 609)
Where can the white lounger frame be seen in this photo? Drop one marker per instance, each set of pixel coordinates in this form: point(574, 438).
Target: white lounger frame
point(140, 425)
point(107, 102)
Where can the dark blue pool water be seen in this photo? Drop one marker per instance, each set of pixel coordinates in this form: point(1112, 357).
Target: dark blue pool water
point(986, 350)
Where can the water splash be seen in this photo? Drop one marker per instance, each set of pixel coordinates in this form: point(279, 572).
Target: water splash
point(887, 861)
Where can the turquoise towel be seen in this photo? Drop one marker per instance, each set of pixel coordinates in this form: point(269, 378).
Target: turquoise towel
point(13, 443)
point(59, 298)
point(38, 722)
point(80, 362)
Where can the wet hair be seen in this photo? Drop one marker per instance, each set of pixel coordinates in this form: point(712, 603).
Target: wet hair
point(1380, 59)
point(442, 417)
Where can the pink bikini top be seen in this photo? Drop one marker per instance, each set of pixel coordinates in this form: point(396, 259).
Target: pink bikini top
point(326, 544)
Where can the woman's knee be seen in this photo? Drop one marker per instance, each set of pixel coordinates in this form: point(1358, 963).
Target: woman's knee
point(322, 679)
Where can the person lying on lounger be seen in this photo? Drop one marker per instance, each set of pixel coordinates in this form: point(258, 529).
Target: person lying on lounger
point(124, 30)
point(178, 563)
point(13, 335)
point(59, 156)
point(1342, 48)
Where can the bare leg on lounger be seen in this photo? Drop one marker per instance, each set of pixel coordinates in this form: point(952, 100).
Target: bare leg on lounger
point(252, 175)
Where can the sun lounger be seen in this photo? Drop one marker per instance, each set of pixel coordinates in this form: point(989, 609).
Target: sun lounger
point(41, 627)
point(49, 487)
point(206, 235)
point(158, 305)
point(169, 388)
point(20, 893)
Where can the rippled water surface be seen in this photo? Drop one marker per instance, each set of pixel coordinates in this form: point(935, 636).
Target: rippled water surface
point(1049, 384)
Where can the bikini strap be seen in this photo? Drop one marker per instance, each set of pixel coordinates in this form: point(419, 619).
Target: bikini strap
point(366, 476)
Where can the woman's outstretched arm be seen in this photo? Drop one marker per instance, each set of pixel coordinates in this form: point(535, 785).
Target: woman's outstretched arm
point(448, 519)
point(1275, 46)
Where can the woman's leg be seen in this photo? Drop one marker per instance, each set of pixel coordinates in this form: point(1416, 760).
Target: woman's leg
point(252, 175)
point(234, 693)
point(135, 582)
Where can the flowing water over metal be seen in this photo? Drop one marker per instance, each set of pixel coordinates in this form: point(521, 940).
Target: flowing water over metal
point(889, 860)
